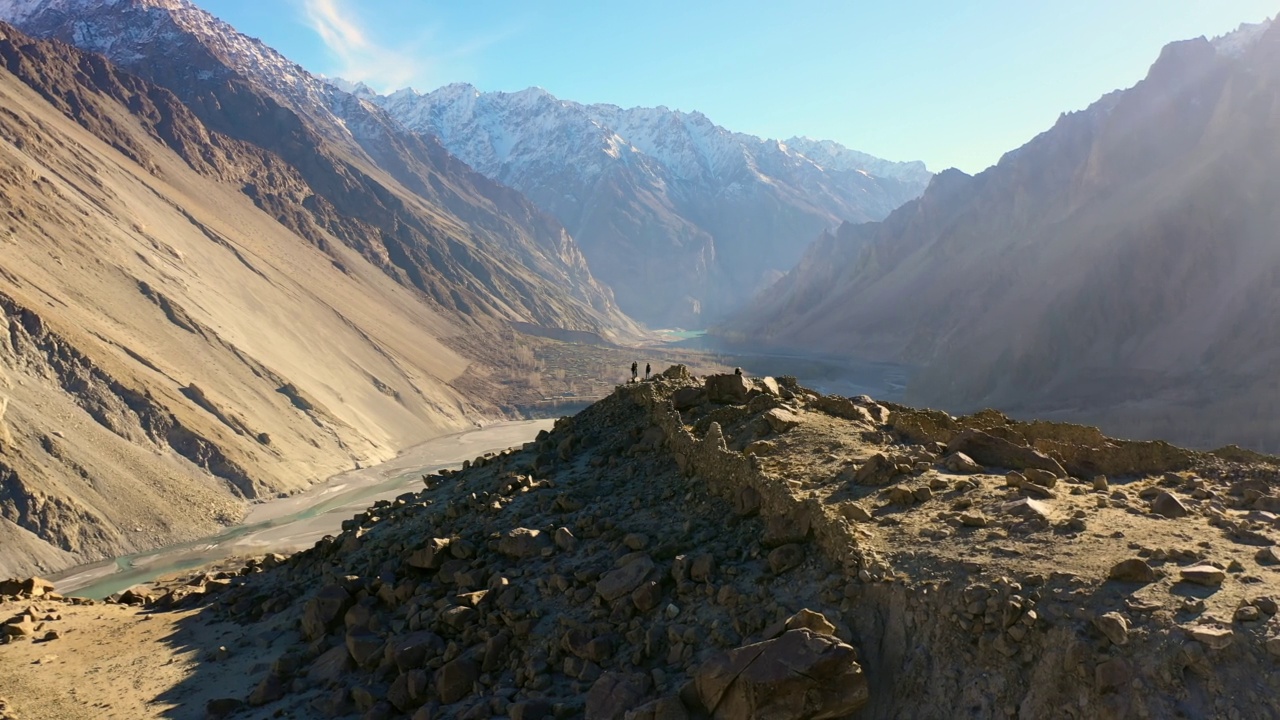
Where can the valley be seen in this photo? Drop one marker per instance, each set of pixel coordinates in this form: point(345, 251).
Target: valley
point(325, 396)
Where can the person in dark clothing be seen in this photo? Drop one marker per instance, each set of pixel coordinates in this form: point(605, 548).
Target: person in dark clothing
point(646, 371)
point(635, 371)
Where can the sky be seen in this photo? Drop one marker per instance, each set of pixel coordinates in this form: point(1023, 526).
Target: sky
point(955, 84)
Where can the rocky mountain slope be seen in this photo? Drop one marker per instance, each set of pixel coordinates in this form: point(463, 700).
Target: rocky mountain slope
point(1120, 267)
point(193, 320)
point(729, 548)
point(401, 200)
point(681, 217)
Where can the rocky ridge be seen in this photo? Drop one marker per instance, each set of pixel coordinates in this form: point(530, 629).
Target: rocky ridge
point(728, 546)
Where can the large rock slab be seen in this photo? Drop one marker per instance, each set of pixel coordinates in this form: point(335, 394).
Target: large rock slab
point(799, 675)
point(730, 388)
point(614, 694)
point(1206, 575)
point(1168, 505)
point(323, 611)
point(617, 583)
point(993, 451)
point(523, 543)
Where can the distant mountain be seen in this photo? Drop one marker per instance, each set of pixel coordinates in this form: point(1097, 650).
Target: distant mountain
point(212, 292)
point(684, 219)
point(1122, 267)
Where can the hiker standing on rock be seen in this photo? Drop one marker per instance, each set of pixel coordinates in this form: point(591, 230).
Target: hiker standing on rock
point(635, 371)
point(646, 371)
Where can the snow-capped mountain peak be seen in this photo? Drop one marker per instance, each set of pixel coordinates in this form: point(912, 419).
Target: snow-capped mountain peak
point(635, 185)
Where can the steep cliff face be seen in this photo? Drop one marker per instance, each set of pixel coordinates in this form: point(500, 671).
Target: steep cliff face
point(683, 218)
point(1119, 267)
point(476, 248)
point(186, 323)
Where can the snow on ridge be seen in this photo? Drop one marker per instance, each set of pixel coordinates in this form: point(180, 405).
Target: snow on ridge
point(1242, 39)
point(507, 134)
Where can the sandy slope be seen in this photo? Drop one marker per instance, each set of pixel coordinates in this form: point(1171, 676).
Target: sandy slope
point(114, 661)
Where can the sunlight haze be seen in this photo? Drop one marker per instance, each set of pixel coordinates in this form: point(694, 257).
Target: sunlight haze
point(933, 81)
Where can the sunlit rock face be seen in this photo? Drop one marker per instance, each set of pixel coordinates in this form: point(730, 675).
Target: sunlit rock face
point(1119, 268)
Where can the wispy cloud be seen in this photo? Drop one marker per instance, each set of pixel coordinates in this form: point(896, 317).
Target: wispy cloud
point(360, 56)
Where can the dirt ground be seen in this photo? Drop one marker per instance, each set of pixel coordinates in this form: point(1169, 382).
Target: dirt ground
point(116, 661)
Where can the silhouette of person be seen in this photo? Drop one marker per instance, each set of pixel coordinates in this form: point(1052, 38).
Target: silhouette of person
point(646, 371)
point(635, 370)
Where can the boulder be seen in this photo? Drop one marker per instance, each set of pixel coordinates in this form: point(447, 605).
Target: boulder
point(993, 451)
point(1043, 478)
point(800, 675)
point(687, 397)
point(958, 462)
point(620, 582)
point(611, 696)
point(1114, 626)
point(1167, 504)
point(1134, 570)
point(784, 558)
point(877, 470)
point(523, 543)
point(814, 621)
point(730, 388)
point(409, 690)
point(1214, 638)
point(1027, 508)
point(455, 680)
point(30, 587)
point(842, 407)
point(331, 666)
point(781, 420)
point(365, 647)
point(430, 556)
point(1206, 575)
point(323, 611)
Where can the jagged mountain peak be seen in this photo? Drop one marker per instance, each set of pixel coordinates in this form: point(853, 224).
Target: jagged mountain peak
point(1240, 40)
point(683, 217)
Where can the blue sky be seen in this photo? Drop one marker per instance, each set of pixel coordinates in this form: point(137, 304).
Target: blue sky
point(951, 83)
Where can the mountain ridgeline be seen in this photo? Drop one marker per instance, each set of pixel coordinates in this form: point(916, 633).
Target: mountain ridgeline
point(684, 219)
point(1120, 268)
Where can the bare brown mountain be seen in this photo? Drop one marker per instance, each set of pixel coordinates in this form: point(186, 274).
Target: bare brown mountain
point(399, 199)
point(1122, 267)
point(192, 320)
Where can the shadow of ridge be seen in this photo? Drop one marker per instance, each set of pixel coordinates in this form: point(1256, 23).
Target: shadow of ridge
point(227, 659)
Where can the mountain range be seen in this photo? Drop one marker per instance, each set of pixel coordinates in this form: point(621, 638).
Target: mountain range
point(1120, 268)
point(684, 219)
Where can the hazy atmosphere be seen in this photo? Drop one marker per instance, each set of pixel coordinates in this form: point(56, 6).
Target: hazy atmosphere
point(398, 360)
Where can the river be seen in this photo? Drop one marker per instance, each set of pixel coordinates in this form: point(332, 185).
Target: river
point(294, 523)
